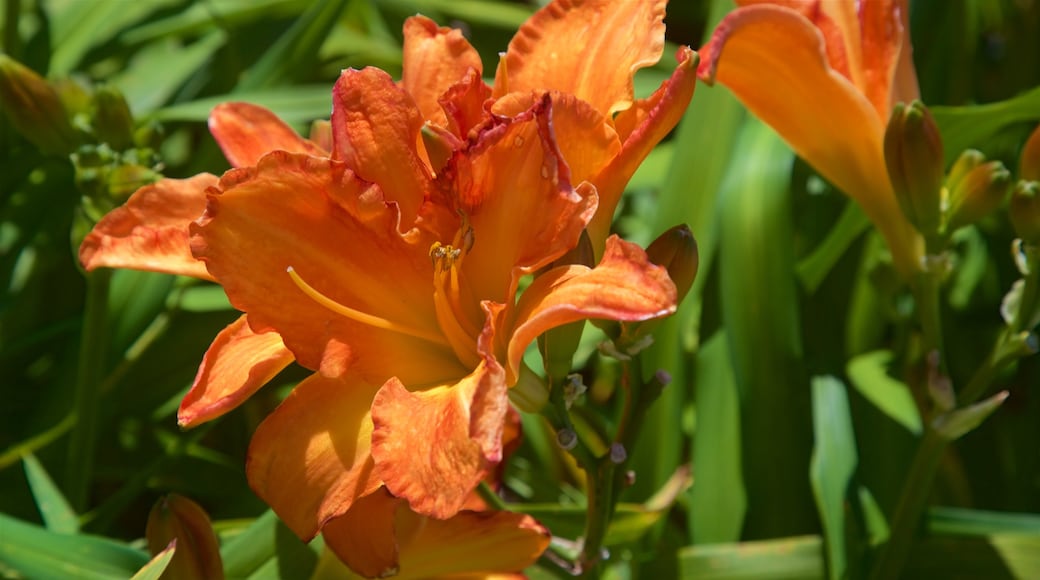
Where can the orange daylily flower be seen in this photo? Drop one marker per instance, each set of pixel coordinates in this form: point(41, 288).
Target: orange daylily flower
point(385, 254)
point(825, 75)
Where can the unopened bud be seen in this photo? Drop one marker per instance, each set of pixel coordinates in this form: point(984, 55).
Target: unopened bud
point(676, 250)
point(567, 439)
point(914, 158)
point(618, 455)
point(1029, 162)
point(1025, 211)
point(957, 423)
point(34, 108)
point(198, 552)
point(974, 188)
point(557, 345)
point(113, 123)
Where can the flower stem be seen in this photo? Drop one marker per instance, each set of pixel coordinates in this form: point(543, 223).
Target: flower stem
point(93, 340)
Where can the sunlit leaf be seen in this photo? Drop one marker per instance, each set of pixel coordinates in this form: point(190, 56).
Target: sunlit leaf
point(869, 374)
point(833, 465)
point(57, 514)
point(38, 553)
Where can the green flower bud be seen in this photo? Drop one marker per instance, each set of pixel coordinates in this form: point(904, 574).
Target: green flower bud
point(1025, 211)
point(558, 344)
point(113, 123)
point(1029, 162)
point(34, 108)
point(914, 158)
point(974, 188)
point(198, 552)
point(676, 250)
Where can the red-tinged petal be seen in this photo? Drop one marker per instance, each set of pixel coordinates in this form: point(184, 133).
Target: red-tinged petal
point(247, 132)
point(773, 60)
point(435, 59)
point(375, 130)
point(433, 447)
point(150, 231)
point(341, 239)
point(516, 190)
point(463, 104)
point(624, 286)
point(881, 25)
point(838, 22)
point(589, 48)
point(641, 128)
point(364, 537)
point(310, 459)
point(236, 365)
point(904, 81)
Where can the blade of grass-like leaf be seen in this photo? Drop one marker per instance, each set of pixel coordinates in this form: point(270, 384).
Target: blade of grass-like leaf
point(268, 549)
point(971, 126)
point(788, 558)
point(760, 309)
point(475, 12)
point(995, 556)
point(873, 518)
point(868, 373)
point(79, 26)
point(57, 514)
point(201, 18)
point(37, 553)
point(293, 104)
point(15, 453)
point(294, 49)
point(717, 498)
point(813, 268)
point(832, 467)
point(154, 569)
point(968, 522)
point(703, 145)
point(158, 70)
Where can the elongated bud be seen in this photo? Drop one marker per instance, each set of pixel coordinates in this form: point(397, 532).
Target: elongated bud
point(1029, 162)
point(113, 123)
point(557, 345)
point(676, 250)
point(956, 423)
point(1025, 211)
point(914, 158)
point(198, 553)
point(974, 188)
point(34, 108)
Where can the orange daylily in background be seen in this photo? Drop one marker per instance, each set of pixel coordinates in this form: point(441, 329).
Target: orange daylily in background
point(385, 254)
point(825, 75)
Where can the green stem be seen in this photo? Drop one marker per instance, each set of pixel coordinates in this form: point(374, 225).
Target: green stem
point(928, 297)
point(490, 497)
point(1030, 292)
point(94, 339)
point(911, 506)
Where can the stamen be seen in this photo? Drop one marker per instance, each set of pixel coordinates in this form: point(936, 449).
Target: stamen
point(358, 316)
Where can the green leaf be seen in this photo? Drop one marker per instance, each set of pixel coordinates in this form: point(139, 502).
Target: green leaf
point(994, 556)
point(796, 558)
point(813, 268)
point(873, 518)
point(760, 310)
point(969, 522)
point(79, 26)
point(833, 464)
point(57, 514)
point(474, 12)
point(869, 375)
point(156, 71)
point(268, 549)
point(717, 498)
point(37, 553)
point(203, 298)
point(298, 104)
point(154, 569)
point(971, 126)
point(295, 49)
point(199, 19)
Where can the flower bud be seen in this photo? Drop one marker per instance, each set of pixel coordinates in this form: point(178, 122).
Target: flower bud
point(113, 123)
point(1029, 162)
point(676, 250)
point(198, 553)
point(34, 108)
point(1025, 211)
point(914, 158)
point(974, 188)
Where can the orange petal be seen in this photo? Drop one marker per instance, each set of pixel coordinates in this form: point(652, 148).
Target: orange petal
point(246, 132)
point(623, 286)
point(340, 237)
point(881, 25)
point(1029, 160)
point(590, 49)
point(375, 129)
point(150, 231)
point(838, 22)
point(236, 365)
point(518, 196)
point(433, 447)
point(463, 104)
point(310, 459)
point(905, 88)
point(641, 128)
point(435, 59)
point(773, 60)
point(364, 538)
